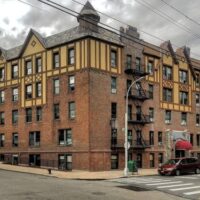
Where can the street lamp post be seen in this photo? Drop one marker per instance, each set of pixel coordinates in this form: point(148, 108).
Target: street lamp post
point(126, 127)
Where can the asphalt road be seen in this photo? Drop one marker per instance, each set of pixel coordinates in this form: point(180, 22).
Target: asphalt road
point(21, 186)
point(186, 186)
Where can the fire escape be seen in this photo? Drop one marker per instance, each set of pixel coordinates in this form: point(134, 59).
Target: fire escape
point(137, 96)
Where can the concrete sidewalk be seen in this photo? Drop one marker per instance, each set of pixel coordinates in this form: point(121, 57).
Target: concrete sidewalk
point(76, 174)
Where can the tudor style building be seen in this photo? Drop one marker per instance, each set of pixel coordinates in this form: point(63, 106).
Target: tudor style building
point(62, 99)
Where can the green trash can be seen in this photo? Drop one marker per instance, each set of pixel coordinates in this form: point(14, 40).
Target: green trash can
point(132, 166)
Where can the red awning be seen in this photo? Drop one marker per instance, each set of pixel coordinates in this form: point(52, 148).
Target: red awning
point(183, 145)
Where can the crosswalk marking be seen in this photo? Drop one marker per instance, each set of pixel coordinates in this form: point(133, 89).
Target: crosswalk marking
point(177, 185)
point(187, 177)
point(185, 188)
point(191, 193)
point(164, 183)
point(151, 181)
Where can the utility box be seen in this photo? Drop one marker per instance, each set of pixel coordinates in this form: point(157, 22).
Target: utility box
point(132, 166)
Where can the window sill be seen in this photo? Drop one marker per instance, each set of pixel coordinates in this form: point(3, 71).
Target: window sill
point(38, 146)
point(65, 145)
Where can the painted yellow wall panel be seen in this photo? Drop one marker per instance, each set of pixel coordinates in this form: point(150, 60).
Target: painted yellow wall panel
point(92, 53)
point(14, 82)
point(32, 49)
point(63, 70)
point(8, 71)
point(22, 93)
point(103, 56)
point(86, 53)
point(63, 52)
point(97, 55)
point(8, 82)
point(38, 102)
point(108, 57)
point(167, 60)
point(176, 93)
point(170, 106)
point(176, 73)
point(49, 73)
point(176, 107)
point(78, 55)
point(114, 70)
point(49, 60)
point(165, 106)
point(56, 72)
point(151, 78)
point(33, 88)
point(82, 54)
point(44, 64)
point(1, 85)
point(44, 94)
point(28, 104)
point(71, 68)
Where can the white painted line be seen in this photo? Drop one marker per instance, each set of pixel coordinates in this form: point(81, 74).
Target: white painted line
point(150, 181)
point(187, 177)
point(185, 188)
point(191, 193)
point(165, 183)
point(177, 185)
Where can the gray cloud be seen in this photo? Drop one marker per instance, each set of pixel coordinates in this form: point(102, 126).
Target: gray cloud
point(135, 14)
point(6, 21)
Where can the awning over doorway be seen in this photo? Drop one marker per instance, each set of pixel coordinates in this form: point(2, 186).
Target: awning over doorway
point(183, 145)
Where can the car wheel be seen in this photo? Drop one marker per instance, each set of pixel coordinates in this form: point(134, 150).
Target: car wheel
point(197, 171)
point(178, 172)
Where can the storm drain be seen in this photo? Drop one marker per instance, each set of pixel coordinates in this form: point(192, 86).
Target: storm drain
point(134, 188)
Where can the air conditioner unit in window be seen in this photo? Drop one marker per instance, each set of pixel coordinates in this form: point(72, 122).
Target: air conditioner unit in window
point(113, 90)
point(159, 143)
point(197, 124)
point(167, 121)
point(151, 119)
point(183, 123)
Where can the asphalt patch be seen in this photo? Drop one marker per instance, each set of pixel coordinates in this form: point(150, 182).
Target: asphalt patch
point(134, 188)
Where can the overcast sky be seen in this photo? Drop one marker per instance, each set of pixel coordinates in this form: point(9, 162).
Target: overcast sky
point(16, 18)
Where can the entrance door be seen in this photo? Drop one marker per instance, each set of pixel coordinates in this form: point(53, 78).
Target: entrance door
point(180, 153)
point(139, 160)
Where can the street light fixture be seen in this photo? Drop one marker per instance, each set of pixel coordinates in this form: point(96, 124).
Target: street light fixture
point(126, 146)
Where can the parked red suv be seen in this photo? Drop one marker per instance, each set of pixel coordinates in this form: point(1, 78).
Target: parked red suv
point(178, 166)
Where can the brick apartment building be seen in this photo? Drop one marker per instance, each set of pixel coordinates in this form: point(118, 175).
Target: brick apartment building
point(62, 99)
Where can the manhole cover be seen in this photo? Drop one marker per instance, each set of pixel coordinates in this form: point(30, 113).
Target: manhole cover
point(134, 188)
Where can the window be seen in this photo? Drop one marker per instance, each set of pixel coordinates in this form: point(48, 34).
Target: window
point(152, 160)
point(198, 139)
point(28, 91)
point(197, 119)
point(151, 137)
point(15, 116)
point(150, 67)
point(56, 86)
point(2, 96)
point(28, 67)
point(183, 98)
point(2, 118)
point(183, 118)
point(15, 94)
point(160, 158)
point(56, 60)
point(197, 80)
point(150, 91)
point(38, 65)
point(167, 94)
point(34, 160)
point(113, 110)
point(15, 139)
point(28, 115)
point(14, 73)
point(38, 89)
point(2, 139)
point(168, 117)
point(38, 113)
point(114, 161)
point(183, 76)
point(71, 82)
point(128, 84)
point(129, 61)
point(34, 138)
point(129, 112)
point(113, 85)
point(151, 114)
point(167, 72)
point(138, 137)
point(138, 64)
point(56, 112)
point(191, 138)
point(2, 74)
point(113, 58)
point(65, 137)
point(65, 161)
point(114, 136)
point(197, 99)
point(72, 110)
point(130, 137)
point(71, 56)
point(159, 138)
